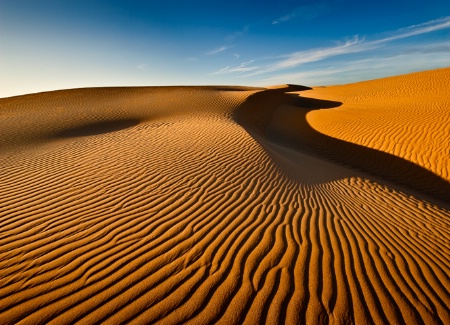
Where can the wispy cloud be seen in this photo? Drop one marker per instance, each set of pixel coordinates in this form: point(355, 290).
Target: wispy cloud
point(358, 70)
point(355, 45)
point(434, 48)
point(297, 58)
point(238, 34)
point(243, 67)
point(414, 30)
point(305, 13)
point(284, 18)
point(434, 22)
point(229, 42)
point(218, 50)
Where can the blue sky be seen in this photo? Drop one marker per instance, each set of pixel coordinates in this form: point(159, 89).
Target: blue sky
point(50, 44)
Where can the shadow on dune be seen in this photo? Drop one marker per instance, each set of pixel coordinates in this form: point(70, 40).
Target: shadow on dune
point(97, 128)
point(277, 120)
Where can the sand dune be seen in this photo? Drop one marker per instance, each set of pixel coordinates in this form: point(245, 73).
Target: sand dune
point(227, 205)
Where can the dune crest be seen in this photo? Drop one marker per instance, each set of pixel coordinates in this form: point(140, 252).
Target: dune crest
point(226, 205)
point(406, 116)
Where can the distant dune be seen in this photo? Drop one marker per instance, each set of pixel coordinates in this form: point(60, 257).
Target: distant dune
point(227, 205)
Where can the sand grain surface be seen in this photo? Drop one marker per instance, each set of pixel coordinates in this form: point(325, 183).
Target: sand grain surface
point(227, 205)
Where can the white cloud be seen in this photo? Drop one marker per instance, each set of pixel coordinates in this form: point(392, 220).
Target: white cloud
point(305, 13)
point(419, 29)
point(353, 71)
point(284, 18)
point(243, 67)
point(238, 34)
point(354, 45)
point(218, 50)
point(433, 48)
point(297, 58)
point(428, 23)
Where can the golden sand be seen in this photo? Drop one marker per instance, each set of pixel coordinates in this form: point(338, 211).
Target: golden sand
point(227, 205)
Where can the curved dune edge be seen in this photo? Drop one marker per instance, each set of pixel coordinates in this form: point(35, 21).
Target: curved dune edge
point(195, 205)
point(406, 116)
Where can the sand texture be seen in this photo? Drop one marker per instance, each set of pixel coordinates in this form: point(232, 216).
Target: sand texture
point(227, 205)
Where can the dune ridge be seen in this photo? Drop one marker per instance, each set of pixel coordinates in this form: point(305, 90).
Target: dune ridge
point(224, 205)
point(406, 116)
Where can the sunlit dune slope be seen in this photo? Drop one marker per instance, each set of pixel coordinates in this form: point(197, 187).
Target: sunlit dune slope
point(407, 116)
point(225, 205)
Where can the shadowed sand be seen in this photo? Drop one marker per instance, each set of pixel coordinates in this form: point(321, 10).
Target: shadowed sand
point(98, 128)
point(227, 205)
point(282, 122)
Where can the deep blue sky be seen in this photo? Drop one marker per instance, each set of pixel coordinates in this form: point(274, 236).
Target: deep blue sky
point(50, 44)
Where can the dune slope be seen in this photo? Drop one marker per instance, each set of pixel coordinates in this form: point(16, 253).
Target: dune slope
point(226, 205)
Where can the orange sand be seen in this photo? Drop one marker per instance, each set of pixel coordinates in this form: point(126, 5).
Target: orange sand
point(227, 205)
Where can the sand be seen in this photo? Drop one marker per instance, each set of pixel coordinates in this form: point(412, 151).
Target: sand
point(227, 205)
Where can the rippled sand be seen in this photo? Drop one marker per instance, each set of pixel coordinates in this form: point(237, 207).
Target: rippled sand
point(227, 205)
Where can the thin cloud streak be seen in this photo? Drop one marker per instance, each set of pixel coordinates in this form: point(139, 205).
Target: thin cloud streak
point(218, 50)
point(305, 13)
point(424, 28)
point(355, 45)
point(434, 48)
point(302, 57)
point(243, 67)
point(358, 70)
point(233, 36)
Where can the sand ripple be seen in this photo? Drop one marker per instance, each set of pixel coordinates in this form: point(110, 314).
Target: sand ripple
point(206, 205)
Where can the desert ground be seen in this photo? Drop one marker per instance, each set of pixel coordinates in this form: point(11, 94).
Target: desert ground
point(228, 205)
